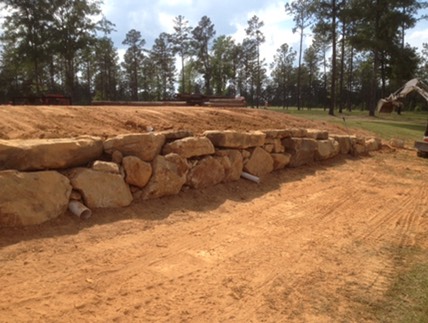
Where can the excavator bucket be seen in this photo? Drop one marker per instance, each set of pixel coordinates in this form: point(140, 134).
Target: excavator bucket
point(393, 101)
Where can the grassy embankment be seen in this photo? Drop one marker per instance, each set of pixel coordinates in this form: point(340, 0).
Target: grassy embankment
point(408, 126)
point(407, 298)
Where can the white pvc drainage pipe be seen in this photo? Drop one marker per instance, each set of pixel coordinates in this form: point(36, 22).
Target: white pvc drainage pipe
point(250, 177)
point(79, 210)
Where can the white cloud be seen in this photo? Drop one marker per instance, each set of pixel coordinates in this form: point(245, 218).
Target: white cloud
point(170, 3)
point(277, 29)
point(417, 36)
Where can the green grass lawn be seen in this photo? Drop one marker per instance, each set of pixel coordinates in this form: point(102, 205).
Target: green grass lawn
point(409, 126)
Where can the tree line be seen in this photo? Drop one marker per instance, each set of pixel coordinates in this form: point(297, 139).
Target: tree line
point(358, 54)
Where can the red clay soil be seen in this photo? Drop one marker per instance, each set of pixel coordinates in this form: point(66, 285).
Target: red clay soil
point(310, 244)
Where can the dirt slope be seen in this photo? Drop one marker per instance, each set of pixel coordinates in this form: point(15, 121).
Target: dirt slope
point(313, 244)
point(55, 122)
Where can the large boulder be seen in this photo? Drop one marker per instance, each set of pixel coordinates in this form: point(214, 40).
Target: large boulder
point(358, 146)
point(32, 197)
point(233, 168)
point(101, 189)
point(260, 162)
point(205, 173)
point(280, 160)
point(137, 171)
point(327, 149)
point(302, 150)
point(373, 144)
point(277, 133)
point(345, 144)
point(176, 134)
point(44, 154)
point(145, 146)
point(168, 177)
point(190, 147)
point(317, 134)
point(235, 139)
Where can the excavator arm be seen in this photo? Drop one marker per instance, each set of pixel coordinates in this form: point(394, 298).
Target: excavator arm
point(393, 100)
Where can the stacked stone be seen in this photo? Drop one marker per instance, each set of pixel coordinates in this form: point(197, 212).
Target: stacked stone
point(38, 178)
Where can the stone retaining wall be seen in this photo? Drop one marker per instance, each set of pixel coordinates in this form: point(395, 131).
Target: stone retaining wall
point(38, 178)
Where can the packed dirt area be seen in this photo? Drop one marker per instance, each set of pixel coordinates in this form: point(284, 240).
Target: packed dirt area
point(312, 244)
point(105, 121)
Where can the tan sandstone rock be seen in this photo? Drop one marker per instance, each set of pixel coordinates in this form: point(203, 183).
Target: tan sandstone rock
point(277, 133)
point(235, 139)
point(345, 144)
point(103, 166)
point(373, 144)
point(207, 172)
point(280, 160)
point(302, 150)
point(260, 162)
point(100, 189)
point(190, 147)
point(317, 134)
point(145, 146)
point(169, 176)
point(137, 171)
point(44, 154)
point(233, 170)
point(327, 149)
point(32, 197)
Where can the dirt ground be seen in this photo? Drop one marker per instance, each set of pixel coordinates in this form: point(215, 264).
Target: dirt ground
point(310, 244)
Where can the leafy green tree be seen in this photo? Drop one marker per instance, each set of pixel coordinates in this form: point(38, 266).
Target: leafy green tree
point(203, 35)
point(223, 55)
point(27, 29)
point(107, 70)
point(311, 61)
point(181, 40)
point(302, 16)
point(326, 15)
point(73, 29)
point(282, 67)
point(162, 57)
point(133, 60)
point(256, 36)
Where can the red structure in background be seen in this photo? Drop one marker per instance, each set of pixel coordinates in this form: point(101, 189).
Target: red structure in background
point(46, 99)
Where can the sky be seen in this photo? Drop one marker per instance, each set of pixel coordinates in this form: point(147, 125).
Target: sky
point(230, 18)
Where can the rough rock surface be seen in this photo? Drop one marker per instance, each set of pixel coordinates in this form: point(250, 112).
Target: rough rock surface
point(108, 167)
point(100, 189)
point(317, 134)
point(190, 147)
point(358, 145)
point(326, 149)
point(233, 170)
point(174, 135)
point(280, 160)
point(302, 150)
point(277, 133)
point(169, 175)
point(206, 172)
point(373, 144)
point(42, 154)
point(137, 171)
point(32, 197)
point(235, 139)
point(344, 143)
point(260, 162)
point(145, 146)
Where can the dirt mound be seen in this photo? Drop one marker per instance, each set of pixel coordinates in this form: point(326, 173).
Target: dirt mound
point(59, 122)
